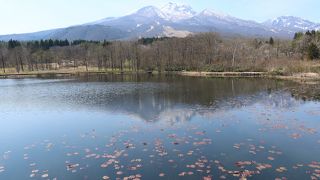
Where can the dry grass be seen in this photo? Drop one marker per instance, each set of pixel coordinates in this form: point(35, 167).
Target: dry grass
point(277, 67)
point(80, 69)
point(290, 67)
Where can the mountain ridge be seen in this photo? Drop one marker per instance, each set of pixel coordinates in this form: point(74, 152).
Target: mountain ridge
point(171, 19)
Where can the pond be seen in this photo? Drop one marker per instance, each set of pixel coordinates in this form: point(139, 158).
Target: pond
point(156, 127)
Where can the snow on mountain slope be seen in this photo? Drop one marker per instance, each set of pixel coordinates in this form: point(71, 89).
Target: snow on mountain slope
point(150, 11)
point(175, 12)
point(210, 13)
point(291, 24)
point(171, 32)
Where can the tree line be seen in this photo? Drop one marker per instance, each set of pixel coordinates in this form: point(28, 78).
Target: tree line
point(199, 52)
point(307, 44)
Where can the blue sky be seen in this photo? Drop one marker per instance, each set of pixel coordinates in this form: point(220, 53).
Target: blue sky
point(18, 16)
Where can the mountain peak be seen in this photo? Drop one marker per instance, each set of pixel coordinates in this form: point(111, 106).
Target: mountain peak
point(150, 11)
point(175, 12)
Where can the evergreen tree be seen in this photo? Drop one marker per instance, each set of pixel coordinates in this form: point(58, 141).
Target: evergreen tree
point(271, 41)
point(106, 43)
point(313, 51)
point(66, 42)
point(308, 33)
point(298, 35)
point(50, 43)
point(13, 43)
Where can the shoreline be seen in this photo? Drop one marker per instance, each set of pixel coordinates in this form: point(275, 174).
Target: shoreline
point(223, 74)
point(56, 73)
point(299, 77)
point(294, 77)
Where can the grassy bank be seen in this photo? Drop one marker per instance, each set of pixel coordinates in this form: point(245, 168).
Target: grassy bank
point(10, 72)
point(307, 72)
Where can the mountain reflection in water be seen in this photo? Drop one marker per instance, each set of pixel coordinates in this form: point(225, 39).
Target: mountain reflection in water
point(120, 126)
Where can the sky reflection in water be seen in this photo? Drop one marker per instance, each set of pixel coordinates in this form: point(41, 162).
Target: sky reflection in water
point(147, 127)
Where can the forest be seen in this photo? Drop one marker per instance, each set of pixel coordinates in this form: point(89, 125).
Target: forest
point(199, 52)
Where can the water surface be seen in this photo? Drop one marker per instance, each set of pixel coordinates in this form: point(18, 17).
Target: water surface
point(156, 127)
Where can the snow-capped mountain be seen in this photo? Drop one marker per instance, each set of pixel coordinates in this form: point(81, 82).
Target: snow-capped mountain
point(209, 20)
point(172, 20)
point(175, 12)
point(291, 24)
point(211, 16)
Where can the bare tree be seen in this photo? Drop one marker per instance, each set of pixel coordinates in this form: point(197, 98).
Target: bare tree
point(3, 56)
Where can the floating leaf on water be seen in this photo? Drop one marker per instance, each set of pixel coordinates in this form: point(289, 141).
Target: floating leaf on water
point(281, 169)
point(263, 166)
point(300, 165)
point(35, 171)
point(317, 171)
point(72, 166)
point(237, 146)
point(222, 169)
point(49, 146)
point(31, 165)
point(243, 163)
point(119, 173)
point(105, 177)
point(207, 178)
point(271, 158)
point(45, 175)
point(200, 133)
point(252, 152)
point(295, 135)
point(314, 165)
point(203, 142)
point(191, 166)
point(190, 153)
